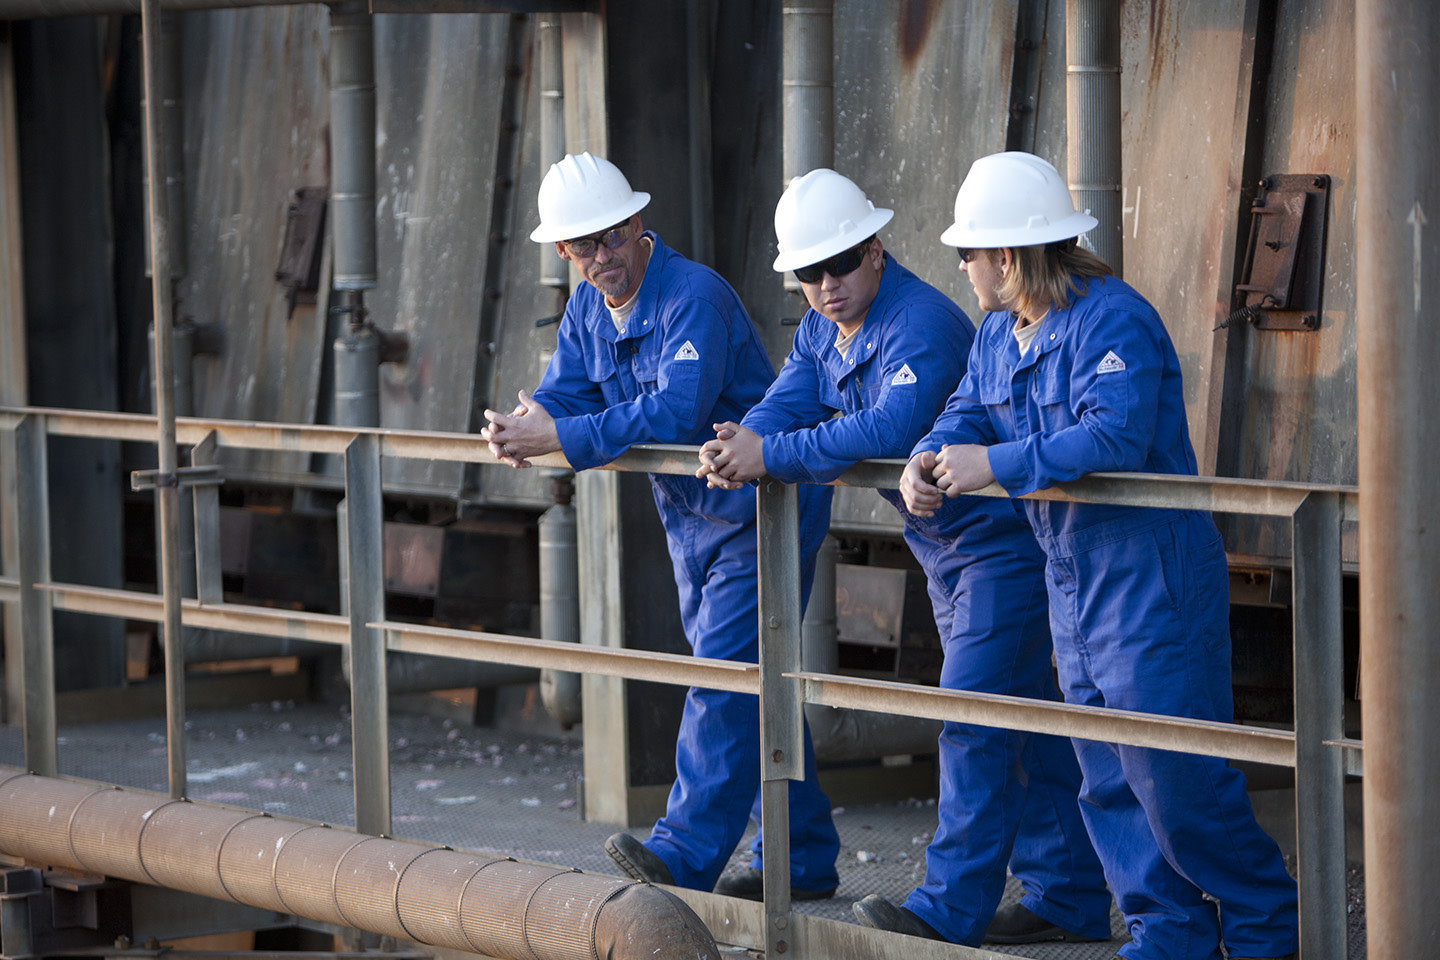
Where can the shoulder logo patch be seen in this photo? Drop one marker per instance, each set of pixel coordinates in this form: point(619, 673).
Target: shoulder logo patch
point(687, 351)
point(1111, 364)
point(903, 376)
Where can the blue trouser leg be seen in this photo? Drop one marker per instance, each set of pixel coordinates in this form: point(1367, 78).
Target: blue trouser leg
point(1005, 796)
point(717, 752)
point(1142, 623)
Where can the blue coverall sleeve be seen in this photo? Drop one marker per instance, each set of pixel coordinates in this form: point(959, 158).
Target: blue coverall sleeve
point(670, 409)
point(565, 390)
point(1097, 399)
point(964, 419)
point(792, 402)
point(916, 368)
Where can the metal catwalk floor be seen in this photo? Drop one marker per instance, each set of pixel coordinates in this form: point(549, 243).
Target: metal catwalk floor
point(507, 791)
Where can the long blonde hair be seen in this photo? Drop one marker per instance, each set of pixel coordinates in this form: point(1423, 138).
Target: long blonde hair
point(1049, 275)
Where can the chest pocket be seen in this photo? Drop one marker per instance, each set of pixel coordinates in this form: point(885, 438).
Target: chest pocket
point(602, 368)
point(1050, 390)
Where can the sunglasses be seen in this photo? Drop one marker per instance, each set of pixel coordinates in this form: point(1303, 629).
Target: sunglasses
point(841, 265)
point(610, 239)
point(968, 256)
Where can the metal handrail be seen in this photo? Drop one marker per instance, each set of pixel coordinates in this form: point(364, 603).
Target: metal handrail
point(1318, 749)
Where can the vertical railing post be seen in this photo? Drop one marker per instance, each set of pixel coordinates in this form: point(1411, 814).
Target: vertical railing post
point(208, 581)
point(37, 634)
point(1319, 716)
point(364, 587)
point(782, 756)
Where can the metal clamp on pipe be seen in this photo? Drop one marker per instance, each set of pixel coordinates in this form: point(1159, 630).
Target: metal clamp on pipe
point(203, 476)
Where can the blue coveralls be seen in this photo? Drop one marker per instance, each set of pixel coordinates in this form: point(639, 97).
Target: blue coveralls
point(1139, 613)
point(690, 358)
point(986, 585)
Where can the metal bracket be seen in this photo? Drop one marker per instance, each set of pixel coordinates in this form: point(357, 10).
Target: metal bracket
point(299, 269)
point(202, 476)
point(1284, 270)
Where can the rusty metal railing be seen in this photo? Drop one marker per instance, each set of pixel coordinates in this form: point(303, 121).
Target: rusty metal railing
point(1316, 749)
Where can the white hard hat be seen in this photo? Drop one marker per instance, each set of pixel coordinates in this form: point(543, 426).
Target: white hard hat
point(1013, 199)
point(581, 195)
point(820, 215)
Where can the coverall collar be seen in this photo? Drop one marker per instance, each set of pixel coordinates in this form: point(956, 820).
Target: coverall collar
point(642, 317)
point(863, 347)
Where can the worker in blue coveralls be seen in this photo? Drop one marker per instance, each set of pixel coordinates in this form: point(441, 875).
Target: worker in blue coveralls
point(1074, 372)
point(884, 349)
point(653, 348)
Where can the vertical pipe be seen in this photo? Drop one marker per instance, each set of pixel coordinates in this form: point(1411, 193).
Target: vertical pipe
point(364, 588)
point(698, 30)
point(352, 144)
point(782, 756)
point(357, 377)
point(807, 83)
point(166, 486)
point(554, 272)
point(1319, 716)
point(36, 664)
point(560, 602)
point(1397, 290)
point(14, 390)
point(1092, 120)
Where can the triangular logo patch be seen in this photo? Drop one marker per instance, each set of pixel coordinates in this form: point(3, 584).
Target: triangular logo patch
point(687, 351)
point(903, 376)
point(1111, 364)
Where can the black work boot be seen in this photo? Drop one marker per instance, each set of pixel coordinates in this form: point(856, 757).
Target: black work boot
point(637, 861)
point(875, 911)
point(748, 883)
point(1016, 923)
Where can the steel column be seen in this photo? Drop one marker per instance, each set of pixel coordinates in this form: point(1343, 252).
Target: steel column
point(807, 30)
point(554, 272)
point(13, 386)
point(782, 755)
point(1397, 290)
point(364, 588)
point(167, 488)
point(208, 584)
point(31, 522)
point(1319, 716)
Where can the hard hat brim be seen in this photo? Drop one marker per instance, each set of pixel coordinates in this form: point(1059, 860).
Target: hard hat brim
point(976, 238)
point(791, 259)
point(581, 228)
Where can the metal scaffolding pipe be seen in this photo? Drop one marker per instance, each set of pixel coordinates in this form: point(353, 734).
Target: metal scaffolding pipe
point(554, 272)
point(1092, 120)
point(1397, 287)
point(167, 489)
point(492, 906)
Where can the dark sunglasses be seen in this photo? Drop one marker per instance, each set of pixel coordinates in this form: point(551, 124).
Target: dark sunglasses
point(841, 265)
point(968, 256)
point(611, 239)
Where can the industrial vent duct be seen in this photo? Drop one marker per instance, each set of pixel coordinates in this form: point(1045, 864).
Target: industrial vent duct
point(493, 906)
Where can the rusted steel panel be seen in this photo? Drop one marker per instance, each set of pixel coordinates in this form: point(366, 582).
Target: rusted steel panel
point(1180, 62)
point(439, 87)
point(244, 161)
point(1299, 415)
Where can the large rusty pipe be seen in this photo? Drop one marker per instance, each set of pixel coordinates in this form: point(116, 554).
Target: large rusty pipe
point(493, 906)
point(1397, 289)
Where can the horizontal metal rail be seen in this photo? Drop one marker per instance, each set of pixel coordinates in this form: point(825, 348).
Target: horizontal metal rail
point(35, 9)
point(1210, 738)
point(1232, 741)
point(1269, 498)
